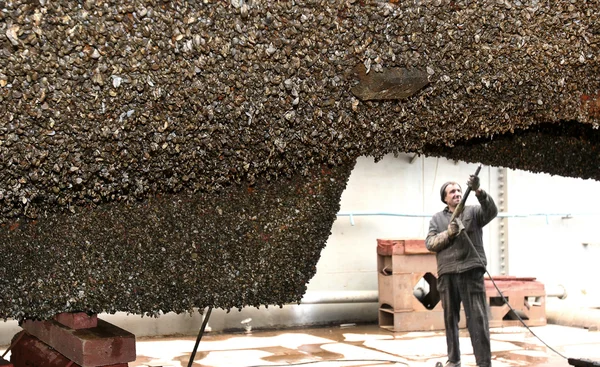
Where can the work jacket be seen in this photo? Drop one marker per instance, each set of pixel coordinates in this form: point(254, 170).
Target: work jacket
point(456, 255)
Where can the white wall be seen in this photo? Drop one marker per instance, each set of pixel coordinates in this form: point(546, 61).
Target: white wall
point(550, 250)
point(393, 185)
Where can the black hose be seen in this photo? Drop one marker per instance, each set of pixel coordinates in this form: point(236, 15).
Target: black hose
point(505, 300)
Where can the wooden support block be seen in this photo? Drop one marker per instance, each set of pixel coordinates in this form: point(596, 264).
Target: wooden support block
point(77, 320)
point(29, 351)
point(103, 345)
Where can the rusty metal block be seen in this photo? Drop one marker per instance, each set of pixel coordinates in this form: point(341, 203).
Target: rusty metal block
point(401, 247)
point(396, 291)
point(526, 296)
point(402, 264)
point(404, 256)
point(399, 321)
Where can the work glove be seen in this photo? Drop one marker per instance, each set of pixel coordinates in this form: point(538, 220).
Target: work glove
point(453, 229)
point(473, 182)
point(444, 239)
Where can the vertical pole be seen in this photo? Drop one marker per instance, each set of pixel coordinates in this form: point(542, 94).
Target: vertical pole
point(204, 323)
point(503, 222)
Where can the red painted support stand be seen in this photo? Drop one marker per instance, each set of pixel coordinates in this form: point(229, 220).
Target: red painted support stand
point(403, 263)
point(526, 296)
point(73, 340)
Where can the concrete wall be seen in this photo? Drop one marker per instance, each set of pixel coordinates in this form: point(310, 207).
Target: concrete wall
point(550, 248)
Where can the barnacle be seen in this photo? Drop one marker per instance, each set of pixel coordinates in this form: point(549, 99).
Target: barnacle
point(198, 150)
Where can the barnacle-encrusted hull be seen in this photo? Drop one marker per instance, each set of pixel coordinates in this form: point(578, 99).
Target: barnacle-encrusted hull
point(111, 107)
point(244, 246)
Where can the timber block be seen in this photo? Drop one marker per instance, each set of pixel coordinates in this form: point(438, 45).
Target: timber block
point(77, 320)
point(103, 345)
point(29, 351)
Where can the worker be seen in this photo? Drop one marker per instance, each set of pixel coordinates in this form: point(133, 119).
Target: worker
point(461, 269)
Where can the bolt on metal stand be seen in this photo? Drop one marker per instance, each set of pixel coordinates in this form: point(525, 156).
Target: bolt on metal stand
point(204, 323)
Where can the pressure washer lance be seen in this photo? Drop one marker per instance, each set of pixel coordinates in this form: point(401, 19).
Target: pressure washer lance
point(461, 206)
point(457, 211)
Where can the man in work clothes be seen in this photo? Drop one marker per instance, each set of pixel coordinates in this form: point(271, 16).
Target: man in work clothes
point(461, 269)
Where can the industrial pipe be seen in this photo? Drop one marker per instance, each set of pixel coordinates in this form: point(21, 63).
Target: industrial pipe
point(569, 314)
point(322, 297)
point(429, 215)
point(368, 296)
point(557, 291)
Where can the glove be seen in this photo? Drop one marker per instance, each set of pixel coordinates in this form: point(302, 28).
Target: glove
point(473, 182)
point(453, 229)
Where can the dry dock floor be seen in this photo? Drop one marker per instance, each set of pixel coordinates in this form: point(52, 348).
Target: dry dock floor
point(364, 345)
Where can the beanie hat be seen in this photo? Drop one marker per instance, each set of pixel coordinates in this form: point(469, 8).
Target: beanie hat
point(443, 190)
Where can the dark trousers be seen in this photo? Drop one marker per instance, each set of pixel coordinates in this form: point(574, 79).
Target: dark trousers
point(468, 288)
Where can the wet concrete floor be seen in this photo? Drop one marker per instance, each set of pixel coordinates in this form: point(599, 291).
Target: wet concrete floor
point(366, 345)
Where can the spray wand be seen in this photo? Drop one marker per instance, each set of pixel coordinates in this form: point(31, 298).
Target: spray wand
point(461, 206)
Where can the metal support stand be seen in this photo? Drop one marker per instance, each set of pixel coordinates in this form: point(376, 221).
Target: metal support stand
point(204, 323)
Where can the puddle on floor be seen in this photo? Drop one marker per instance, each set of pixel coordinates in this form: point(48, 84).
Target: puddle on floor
point(334, 343)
